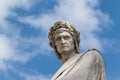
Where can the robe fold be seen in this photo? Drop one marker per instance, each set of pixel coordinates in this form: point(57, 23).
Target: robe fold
point(86, 66)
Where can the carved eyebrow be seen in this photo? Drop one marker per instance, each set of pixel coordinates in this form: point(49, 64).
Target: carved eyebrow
point(66, 36)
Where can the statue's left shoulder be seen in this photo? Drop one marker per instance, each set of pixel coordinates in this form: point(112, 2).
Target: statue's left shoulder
point(94, 53)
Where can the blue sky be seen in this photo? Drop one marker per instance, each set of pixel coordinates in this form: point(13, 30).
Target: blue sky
point(25, 53)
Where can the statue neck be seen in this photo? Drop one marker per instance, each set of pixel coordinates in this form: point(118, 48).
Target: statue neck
point(67, 55)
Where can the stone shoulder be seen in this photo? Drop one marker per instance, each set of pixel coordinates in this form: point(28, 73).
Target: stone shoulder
point(93, 51)
point(94, 54)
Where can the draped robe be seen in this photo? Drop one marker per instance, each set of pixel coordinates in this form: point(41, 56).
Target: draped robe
point(86, 66)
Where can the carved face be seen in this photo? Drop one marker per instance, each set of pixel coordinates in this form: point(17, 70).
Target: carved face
point(64, 42)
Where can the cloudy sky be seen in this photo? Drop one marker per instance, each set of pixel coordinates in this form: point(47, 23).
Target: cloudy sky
point(25, 53)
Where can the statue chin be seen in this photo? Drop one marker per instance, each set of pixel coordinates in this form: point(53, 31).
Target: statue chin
point(65, 50)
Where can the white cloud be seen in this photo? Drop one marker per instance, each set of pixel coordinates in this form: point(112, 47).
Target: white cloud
point(37, 77)
point(43, 21)
point(19, 49)
point(30, 75)
point(13, 49)
point(6, 50)
point(85, 14)
point(5, 47)
point(90, 41)
point(6, 6)
point(9, 34)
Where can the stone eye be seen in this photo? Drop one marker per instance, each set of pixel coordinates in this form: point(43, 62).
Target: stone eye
point(66, 37)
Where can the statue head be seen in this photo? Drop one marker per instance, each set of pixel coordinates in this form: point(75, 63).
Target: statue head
point(62, 26)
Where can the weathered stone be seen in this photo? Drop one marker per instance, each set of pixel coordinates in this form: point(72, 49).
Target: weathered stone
point(64, 38)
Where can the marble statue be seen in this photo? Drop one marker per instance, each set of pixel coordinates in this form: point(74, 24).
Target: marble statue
point(65, 39)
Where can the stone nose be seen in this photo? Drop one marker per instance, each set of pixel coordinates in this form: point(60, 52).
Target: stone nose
point(62, 40)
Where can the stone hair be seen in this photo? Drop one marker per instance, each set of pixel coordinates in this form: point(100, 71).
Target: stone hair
point(69, 28)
